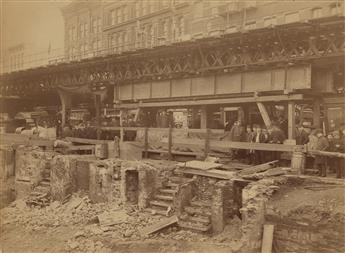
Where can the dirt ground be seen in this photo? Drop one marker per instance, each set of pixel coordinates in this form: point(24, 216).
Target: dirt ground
point(73, 227)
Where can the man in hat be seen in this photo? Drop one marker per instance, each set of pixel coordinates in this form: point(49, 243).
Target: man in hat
point(335, 163)
point(320, 162)
point(304, 135)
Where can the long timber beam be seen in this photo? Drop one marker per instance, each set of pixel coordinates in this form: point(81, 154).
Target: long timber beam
point(219, 101)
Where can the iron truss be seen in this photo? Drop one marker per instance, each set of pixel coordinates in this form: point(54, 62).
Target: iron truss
point(265, 48)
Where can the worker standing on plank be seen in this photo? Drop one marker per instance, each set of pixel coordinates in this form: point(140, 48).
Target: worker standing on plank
point(320, 162)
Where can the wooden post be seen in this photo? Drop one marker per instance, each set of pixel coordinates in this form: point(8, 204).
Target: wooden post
point(267, 239)
point(207, 142)
point(291, 120)
point(170, 143)
point(316, 113)
point(203, 117)
point(98, 116)
point(264, 114)
point(121, 125)
point(66, 101)
point(146, 144)
point(194, 117)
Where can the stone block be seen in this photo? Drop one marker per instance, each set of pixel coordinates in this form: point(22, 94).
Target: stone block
point(105, 181)
point(6, 161)
point(7, 191)
point(138, 183)
point(22, 188)
point(30, 163)
point(69, 173)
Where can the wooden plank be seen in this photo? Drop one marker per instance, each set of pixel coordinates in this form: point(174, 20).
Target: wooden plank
point(326, 153)
point(158, 226)
point(258, 168)
point(267, 239)
point(219, 101)
point(200, 165)
point(264, 114)
point(291, 120)
point(174, 152)
point(82, 147)
point(207, 142)
point(213, 173)
point(86, 141)
point(227, 145)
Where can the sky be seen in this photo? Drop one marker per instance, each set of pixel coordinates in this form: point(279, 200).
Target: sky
point(37, 22)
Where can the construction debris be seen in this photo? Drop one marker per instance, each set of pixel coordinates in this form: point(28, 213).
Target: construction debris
point(160, 225)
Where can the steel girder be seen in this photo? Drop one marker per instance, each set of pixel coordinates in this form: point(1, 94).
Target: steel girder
point(265, 48)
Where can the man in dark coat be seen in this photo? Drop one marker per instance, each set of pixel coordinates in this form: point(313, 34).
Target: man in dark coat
point(276, 136)
point(320, 162)
point(259, 137)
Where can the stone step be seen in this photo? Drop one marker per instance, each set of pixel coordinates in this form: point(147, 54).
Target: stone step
point(193, 226)
point(164, 197)
point(199, 219)
point(153, 210)
point(197, 210)
point(160, 203)
point(167, 191)
point(171, 184)
point(201, 203)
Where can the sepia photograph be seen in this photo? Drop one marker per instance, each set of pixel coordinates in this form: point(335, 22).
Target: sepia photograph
point(172, 126)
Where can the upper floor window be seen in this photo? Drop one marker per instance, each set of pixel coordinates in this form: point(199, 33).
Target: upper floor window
point(113, 17)
point(180, 26)
point(125, 13)
point(292, 17)
point(198, 10)
point(96, 24)
point(316, 13)
point(138, 8)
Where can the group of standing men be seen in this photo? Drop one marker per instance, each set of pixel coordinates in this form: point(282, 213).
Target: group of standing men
point(316, 139)
point(255, 134)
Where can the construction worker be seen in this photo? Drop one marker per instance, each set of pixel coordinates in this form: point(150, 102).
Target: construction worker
point(320, 162)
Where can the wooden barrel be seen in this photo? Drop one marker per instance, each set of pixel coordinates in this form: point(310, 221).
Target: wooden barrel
point(298, 162)
point(101, 151)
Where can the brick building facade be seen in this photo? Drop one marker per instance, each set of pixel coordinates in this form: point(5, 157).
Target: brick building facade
point(103, 28)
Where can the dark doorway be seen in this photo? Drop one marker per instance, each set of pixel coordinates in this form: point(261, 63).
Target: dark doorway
point(132, 186)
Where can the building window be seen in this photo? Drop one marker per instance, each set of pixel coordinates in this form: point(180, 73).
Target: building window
point(86, 29)
point(137, 8)
point(270, 21)
point(292, 17)
point(316, 13)
point(198, 10)
point(96, 24)
point(250, 25)
point(180, 27)
point(125, 13)
point(113, 17)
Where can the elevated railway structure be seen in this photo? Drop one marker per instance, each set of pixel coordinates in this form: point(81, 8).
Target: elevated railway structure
point(300, 62)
